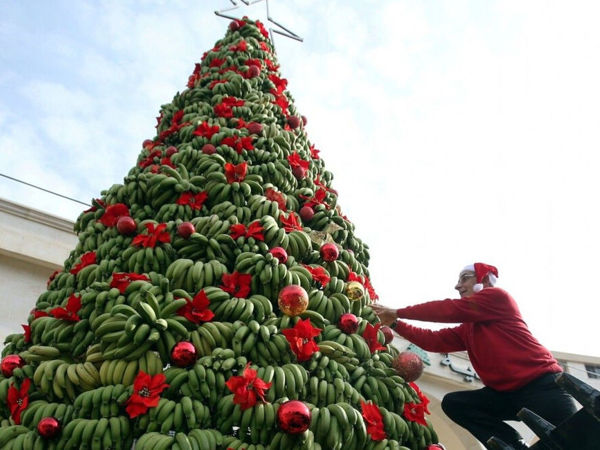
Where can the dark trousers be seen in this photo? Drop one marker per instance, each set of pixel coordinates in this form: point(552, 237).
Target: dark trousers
point(483, 411)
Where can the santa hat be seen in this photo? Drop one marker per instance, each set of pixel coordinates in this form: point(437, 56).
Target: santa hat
point(481, 270)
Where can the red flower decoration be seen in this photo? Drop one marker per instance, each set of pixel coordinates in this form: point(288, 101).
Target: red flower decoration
point(241, 46)
point(113, 213)
point(275, 196)
point(253, 62)
point(176, 125)
point(197, 311)
point(262, 29)
point(52, 277)
point(18, 400)
point(195, 76)
point(213, 83)
point(248, 388)
point(301, 339)
point(424, 400)
point(205, 130)
point(95, 204)
point(238, 143)
point(27, 330)
point(146, 393)
point(37, 314)
point(69, 313)
point(314, 153)
point(319, 183)
point(283, 103)
point(290, 223)
point(235, 173)
point(370, 335)
point(122, 280)
point(365, 282)
point(155, 234)
point(237, 284)
point(194, 201)
point(319, 274)
point(224, 109)
point(216, 62)
point(254, 230)
point(271, 65)
point(149, 160)
point(415, 412)
point(86, 260)
point(295, 161)
point(264, 47)
point(374, 421)
point(280, 84)
point(317, 199)
point(237, 230)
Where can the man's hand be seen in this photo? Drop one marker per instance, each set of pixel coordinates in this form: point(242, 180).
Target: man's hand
point(386, 315)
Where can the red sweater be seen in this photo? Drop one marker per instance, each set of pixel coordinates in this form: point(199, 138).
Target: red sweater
point(501, 348)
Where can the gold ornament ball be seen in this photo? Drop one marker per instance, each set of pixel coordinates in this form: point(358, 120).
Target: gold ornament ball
point(354, 290)
point(293, 300)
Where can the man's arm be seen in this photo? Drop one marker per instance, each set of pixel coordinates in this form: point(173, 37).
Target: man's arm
point(441, 341)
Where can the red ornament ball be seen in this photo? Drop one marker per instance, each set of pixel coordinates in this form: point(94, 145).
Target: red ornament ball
point(48, 427)
point(280, 254)
point(10, 363)
point(184, 354)
point(126, 225)
point(307, 213)
point(147, 143)
point(299, 172)
point(293, 417)
point(293, 122)
point(171, 150)
point(408, 365)
point(185, 229)
point(208, 149)
point(254, 128)
point(348, 323)
point(388, 334)
point(329, 252)
point(234, 25)
point(292, 300)
point(253, 71)
point(304, 120)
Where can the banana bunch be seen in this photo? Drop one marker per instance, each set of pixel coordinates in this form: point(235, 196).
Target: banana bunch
point(39, 409)
point(323, 392)
point(234, 309)
point(261, 343)
point(229, 211)
point(121, 371)
point(192, 276)
point(303, 441)
point(205, 439)
point(338, 352)
point(104, 401)
point(330, 307)
point(256, 424)
point(289, 380)
point(339, 425)
point(234, 443)
point(210, 335)
point(61, 380)
point(147, 259)
point(182, 415)
point(15, 436)
point(299, 244)
point(113, 432)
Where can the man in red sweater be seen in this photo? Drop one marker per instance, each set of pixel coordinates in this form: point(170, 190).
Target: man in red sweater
point(515, 368)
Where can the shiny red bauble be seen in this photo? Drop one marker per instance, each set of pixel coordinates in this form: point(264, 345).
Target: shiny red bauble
point(293, 417)
point(253, 71)
point(329, 252)
point(348, 323)
point(208, 149)
point(292, 300)
point(307, 213)
point(185, 229)
point(234, 25)
point(147, 143)
point(280, 254)
point(388, 334)
point(299, 172)
point(184, 354)
point(10, 363)
point(48, 427)
point(171, 150)
point(293, 122)
point(126, 225)
point(408, 365)
point(254, 128)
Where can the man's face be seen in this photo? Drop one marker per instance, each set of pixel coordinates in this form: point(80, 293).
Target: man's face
point(466, 281)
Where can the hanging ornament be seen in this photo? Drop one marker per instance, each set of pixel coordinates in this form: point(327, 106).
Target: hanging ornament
point(408, 365)
point(294, 417)
point(171, 150)
point(354, 290)
point(208, 149)
point(10, 363)
point(280, 254)
point(329, 252)
point(388, 334)
point(306, 213)
point(126, 225)
point(48, 427)
point(348, 323)
point(293, 122)
point(185, 229)
point(254, 127)
point(184, 354)
point(292, 300)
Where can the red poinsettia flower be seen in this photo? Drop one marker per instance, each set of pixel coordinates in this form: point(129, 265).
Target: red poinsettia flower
point(217, 62)
point(262, 29)
point(238, 143)
point(52, 277)
point(27, 331)
point(237, 230)
point(370, 289)
point(422, 397)
point(38, 313)
point(241, 46)
point(415, 412)
point(374, 420)
point(112, 214)
point(205, 130)
point(196, 310)
point(290, 223)
point(122, 280)
point(237, 284)
point(194, 201)
point(166, 161)
point(275, 196)
point(295, 161)
point(224, 109)
point(195, 76)
point(97, 202)
point(322, 185)
point(283, 103)
point(265, 47)
point(317, 199)
point(319, 274)
point(85, 260)
point(69, 313)
point(18, 400)
point(255, 230)
point(280, 84)
point(149, 160)
point(248, 388)
point(253, 62)
point(314, 153)
point(146, 393)
point(240, 123)
point(155, 234)
point(213, 83)
point(235, 173)
point(176, 125)
point(301, 339)
point(370, 335)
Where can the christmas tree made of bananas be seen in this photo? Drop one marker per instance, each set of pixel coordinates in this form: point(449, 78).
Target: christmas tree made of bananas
point(230, 157)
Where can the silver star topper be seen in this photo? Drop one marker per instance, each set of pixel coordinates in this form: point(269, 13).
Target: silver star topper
point(286, 32)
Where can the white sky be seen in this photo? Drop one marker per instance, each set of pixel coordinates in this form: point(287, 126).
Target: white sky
point(457, 131)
